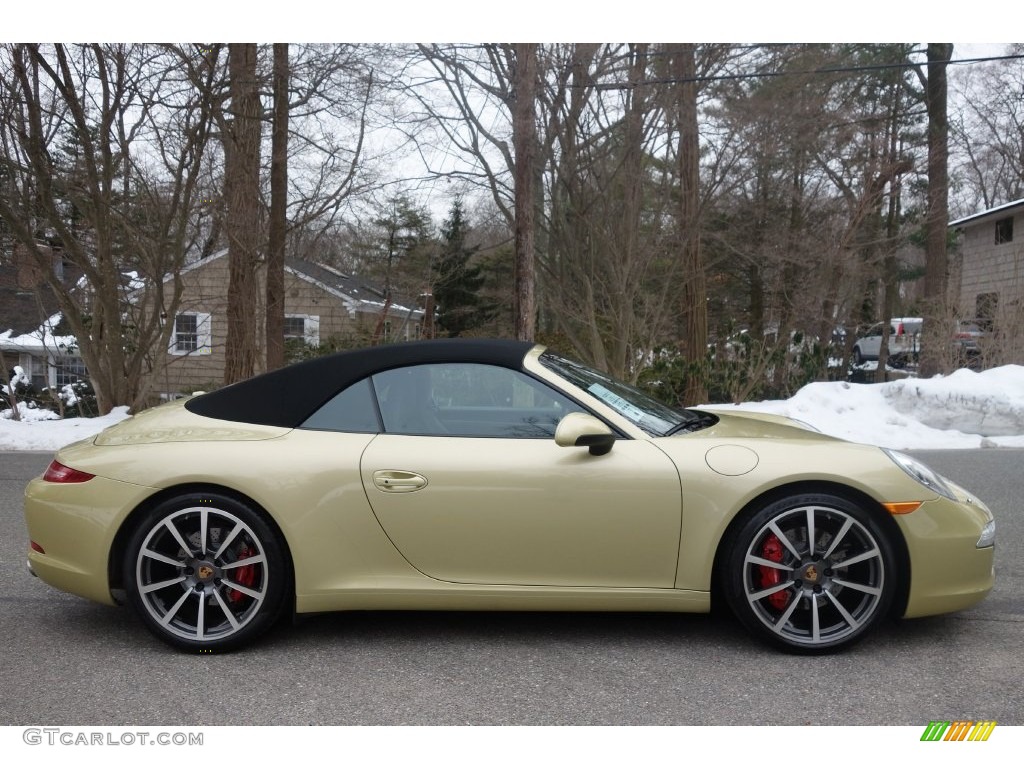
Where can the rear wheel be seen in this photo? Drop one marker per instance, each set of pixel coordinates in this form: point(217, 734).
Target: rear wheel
point(810, 573)
point(205, 572)
point(858, 358)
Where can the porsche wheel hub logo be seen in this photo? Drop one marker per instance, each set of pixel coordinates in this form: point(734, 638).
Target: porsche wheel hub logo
point(811, 574)
point(204, 572)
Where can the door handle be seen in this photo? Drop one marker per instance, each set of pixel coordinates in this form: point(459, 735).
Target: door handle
point(397, 481)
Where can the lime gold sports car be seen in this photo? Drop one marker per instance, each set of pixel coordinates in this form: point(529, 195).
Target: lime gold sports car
point(494, 475)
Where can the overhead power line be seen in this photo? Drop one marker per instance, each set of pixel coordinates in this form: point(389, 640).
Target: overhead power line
point(794, 72)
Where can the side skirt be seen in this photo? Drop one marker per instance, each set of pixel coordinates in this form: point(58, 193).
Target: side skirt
point(459, 597)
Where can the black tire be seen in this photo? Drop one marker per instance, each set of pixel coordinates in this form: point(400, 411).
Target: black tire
point(206, 573)
point(810, 593)
point(858, 358)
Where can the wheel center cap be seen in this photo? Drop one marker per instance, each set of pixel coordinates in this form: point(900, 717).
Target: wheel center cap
point(811, 574)
point(204, 571)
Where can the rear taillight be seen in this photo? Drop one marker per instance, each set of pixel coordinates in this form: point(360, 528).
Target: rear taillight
point(58, 473)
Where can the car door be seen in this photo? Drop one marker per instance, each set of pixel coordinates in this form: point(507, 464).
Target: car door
point(871, 344)
point(469, 485)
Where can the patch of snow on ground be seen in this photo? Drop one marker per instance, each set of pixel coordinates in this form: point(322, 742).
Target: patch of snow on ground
point(962, 410)
point(50, 435)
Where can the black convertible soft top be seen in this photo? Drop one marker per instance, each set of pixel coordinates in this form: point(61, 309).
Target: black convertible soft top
point(286, 397)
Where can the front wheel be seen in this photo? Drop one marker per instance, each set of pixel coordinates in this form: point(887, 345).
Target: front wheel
point(810, 573)
point(205, 572)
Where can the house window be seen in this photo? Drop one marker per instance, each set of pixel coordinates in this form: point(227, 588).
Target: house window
point(191, 334)
point(186, 333)
point(35, 369)
point(1004, 231)
point(68, 370)
point(304, 328)
point(985, 306)
point(295, 328)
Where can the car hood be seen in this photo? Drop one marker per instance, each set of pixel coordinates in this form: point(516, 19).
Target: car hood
point(173, 423)
point(752, 424)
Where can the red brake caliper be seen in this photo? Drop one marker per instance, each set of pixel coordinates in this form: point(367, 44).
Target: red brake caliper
point(246, 575)
point(772, 550)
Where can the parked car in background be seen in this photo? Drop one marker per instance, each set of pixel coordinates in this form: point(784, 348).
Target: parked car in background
point(967, 335)
point(967, 338)
point(904, 342)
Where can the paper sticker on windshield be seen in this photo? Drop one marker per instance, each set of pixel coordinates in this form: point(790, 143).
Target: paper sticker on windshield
point(620, 404)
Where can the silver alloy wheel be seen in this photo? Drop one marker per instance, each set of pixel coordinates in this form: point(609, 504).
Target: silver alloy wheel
point(814, 576)
point(202, 573)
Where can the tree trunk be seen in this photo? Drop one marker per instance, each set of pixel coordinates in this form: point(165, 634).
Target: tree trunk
point(242, 195)
point(694, 288)
point(524, 141)
point(935, 333)
point(278, 212)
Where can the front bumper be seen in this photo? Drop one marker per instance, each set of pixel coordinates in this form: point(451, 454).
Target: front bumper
point(948, 571)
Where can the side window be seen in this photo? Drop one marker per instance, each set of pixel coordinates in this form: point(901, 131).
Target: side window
point(351, 410)
point(468, 400)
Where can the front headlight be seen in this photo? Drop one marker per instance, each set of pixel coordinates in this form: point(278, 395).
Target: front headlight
point(988, 535)
point(924, 474)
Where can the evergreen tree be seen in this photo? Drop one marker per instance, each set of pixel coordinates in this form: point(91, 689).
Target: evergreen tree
point(456, 283)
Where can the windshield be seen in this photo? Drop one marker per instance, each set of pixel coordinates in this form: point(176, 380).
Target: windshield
point(653, 417)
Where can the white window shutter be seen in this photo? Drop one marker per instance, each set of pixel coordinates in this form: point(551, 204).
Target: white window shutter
point(312, 330)
point(204, 332)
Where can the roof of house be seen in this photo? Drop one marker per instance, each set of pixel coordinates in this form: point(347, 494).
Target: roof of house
point(22, 308)
point(25, 299)
point(363, 293)
point(358, 293)
point(999, 210)
point(41, 340)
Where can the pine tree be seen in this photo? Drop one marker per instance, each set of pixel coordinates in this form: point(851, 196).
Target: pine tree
point(456, 283)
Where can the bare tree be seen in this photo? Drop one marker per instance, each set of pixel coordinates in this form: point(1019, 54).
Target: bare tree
point(524, 140)
point(606, 267)
point(506, 78)
point(693, 289)
point(936, 330)
point(988, 131)
point(102, 151)
point(278, 211)
point(244, 208)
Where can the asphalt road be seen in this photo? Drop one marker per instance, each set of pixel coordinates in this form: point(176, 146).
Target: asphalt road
point(67, 661)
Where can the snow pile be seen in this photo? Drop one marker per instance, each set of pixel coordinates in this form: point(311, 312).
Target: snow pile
point(44, 434)
point(28, 413)
point(962, 410)
point(989, 403)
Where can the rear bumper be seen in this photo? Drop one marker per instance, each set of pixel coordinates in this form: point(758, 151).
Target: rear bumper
point(75, 525)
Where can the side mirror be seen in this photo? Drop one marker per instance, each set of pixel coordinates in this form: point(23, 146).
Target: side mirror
point(584, 430)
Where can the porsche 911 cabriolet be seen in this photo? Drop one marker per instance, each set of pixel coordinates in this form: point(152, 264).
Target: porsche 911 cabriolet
point(494, 475)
